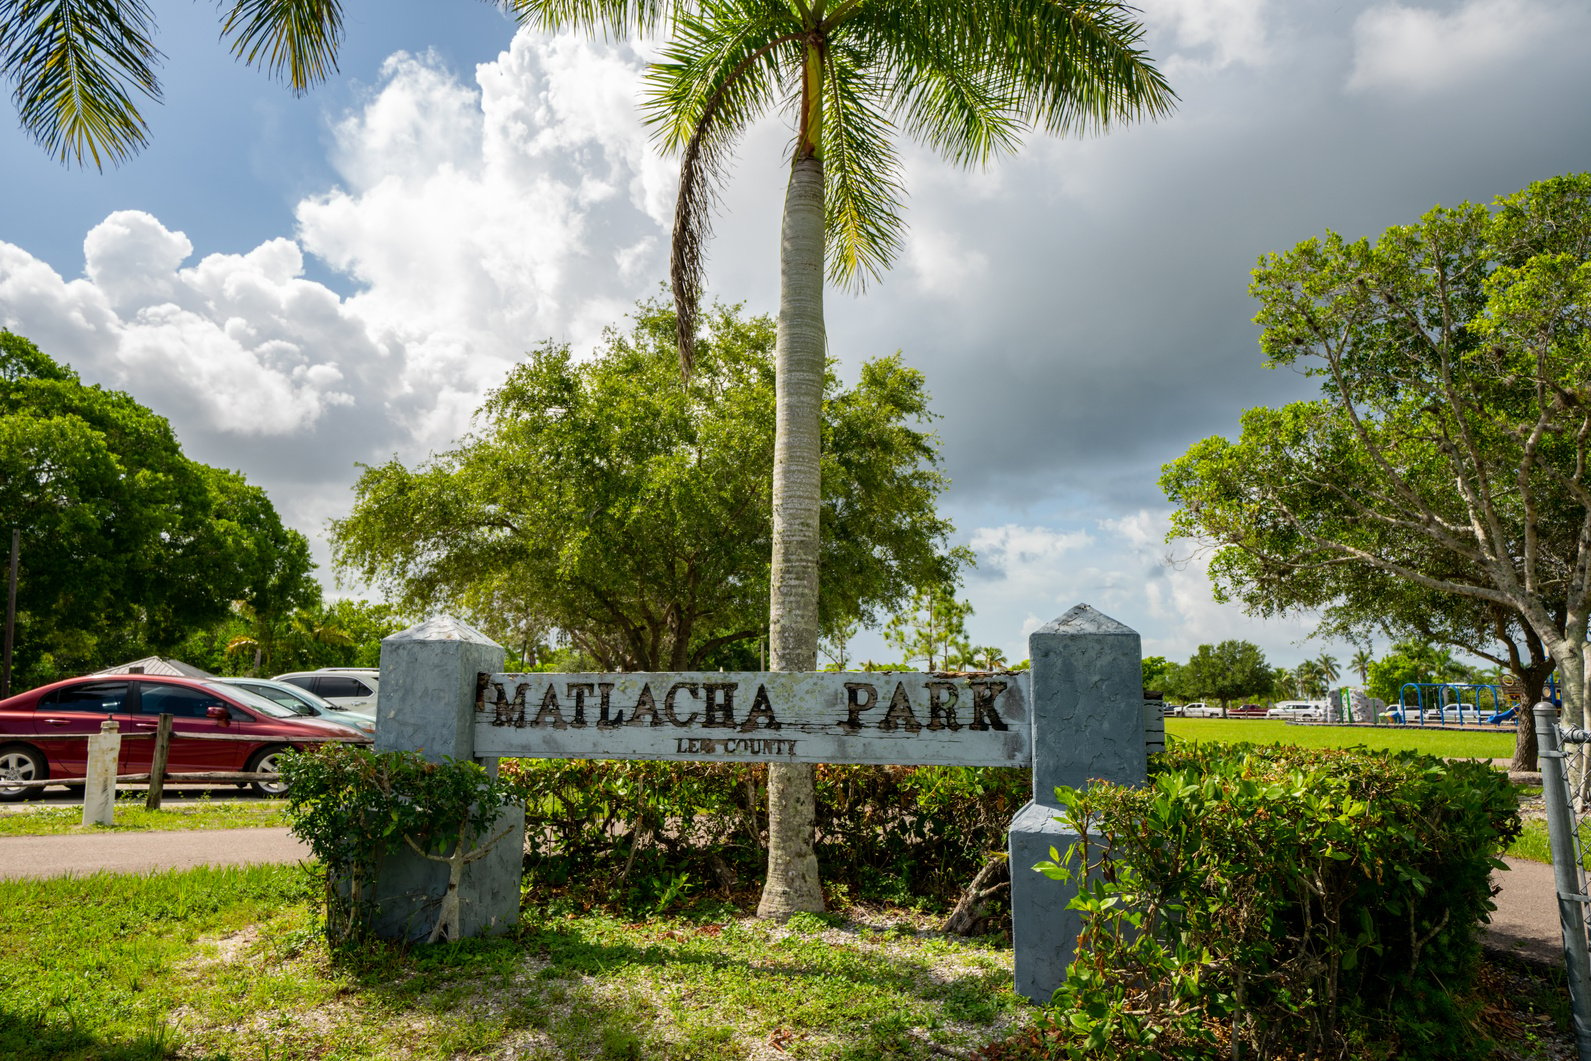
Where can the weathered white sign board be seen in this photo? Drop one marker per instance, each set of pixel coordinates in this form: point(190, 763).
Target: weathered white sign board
point(827, 717)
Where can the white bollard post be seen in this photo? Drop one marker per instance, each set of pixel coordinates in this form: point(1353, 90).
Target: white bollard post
point(99, 791)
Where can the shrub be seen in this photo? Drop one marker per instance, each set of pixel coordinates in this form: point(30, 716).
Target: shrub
point(638, 835)
point(352, 805)
point(1277, 903)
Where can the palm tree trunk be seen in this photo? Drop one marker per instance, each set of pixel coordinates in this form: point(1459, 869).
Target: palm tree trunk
point(793, 885)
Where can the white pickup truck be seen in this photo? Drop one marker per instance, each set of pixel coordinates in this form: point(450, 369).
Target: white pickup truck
point(1200, 710)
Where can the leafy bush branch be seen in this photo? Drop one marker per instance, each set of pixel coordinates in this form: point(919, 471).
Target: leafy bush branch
point(353, 806)
point(1277, 903)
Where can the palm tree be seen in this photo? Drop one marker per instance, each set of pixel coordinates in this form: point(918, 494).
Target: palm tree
point(1310, 679)
point(966, 78)
point(1361, 665)
point(78, 66)
point(1327, 667)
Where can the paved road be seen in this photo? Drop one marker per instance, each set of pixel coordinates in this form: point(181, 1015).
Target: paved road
point(1526, 921)
point(138, 852)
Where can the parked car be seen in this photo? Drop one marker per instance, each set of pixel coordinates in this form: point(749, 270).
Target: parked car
point(1200, 709)
point(305, 703)
point(1300, 710)
point(1248, 711)
point(350, 688)
point(43, 732)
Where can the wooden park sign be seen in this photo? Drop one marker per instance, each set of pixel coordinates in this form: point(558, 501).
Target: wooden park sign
point(824, 717)
point(1076, 716)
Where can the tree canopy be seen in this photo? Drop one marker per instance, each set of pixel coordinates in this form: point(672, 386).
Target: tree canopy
point(629, 509)
point(1449, 446)
point(126, 544)
point(1228, 671)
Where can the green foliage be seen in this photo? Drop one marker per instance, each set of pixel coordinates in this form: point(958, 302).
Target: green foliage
point(629, 510)
point(352, 805)
point(1414, 661)
point(1225, 672)
point(933, 631)
point(1279, 902)
point(637, 836)
point(127, 546)
point(1156, 671)
point(1446, 455)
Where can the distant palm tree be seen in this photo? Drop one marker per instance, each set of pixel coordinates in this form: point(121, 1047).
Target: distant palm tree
point(1310, 678)
point(1361, 665)
point(1328, 668)
point(991, 657)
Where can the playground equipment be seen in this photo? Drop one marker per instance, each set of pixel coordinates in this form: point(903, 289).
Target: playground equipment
point(1446, 699)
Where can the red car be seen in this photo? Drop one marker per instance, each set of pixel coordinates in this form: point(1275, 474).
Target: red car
point(1249, 711)
point(35, 725)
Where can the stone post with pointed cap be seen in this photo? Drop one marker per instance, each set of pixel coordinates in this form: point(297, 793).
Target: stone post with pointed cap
point(1088, 724)
point(427, 705)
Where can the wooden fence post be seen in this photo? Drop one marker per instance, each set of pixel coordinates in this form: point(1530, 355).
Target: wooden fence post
point(157, 765)
point(99, 789)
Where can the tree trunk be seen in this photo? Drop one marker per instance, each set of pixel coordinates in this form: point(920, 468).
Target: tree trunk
point(793, 885)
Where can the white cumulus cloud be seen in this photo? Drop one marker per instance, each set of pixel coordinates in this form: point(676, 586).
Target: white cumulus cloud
point(1422, 49)
point(237, 344)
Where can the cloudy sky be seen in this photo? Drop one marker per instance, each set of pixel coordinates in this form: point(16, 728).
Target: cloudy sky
point(300, 284)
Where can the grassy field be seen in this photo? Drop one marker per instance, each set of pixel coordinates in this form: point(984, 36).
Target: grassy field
point(40, 819)
point(216, 964)
point(1449, 744)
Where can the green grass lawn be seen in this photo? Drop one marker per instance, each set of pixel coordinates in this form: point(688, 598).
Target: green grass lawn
point(1449, 744)
point(33, 819)
point(215, 964)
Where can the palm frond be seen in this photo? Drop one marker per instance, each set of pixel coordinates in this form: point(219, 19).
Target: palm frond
point(295, 40)
point(618, 18)
point(940, 86)
point(1077, 63)
point(863, 188)
point(715, 78)
point(77, 65)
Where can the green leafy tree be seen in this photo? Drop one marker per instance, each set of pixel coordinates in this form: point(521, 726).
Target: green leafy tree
point(1156, 670)
point(933, 629)
point(966, 79)
point(1449, 447)
point(989, 657)
point(127, 545)
point(1415, 661)
point(1228, 671)
point(628, 509)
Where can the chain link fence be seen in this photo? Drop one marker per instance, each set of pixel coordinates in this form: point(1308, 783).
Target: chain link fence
point(1565, 755)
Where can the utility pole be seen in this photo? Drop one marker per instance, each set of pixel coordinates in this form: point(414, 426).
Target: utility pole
point(11, 613)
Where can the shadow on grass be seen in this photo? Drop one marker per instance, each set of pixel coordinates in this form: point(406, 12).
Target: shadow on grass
point(546, 966)
point(40, 1036)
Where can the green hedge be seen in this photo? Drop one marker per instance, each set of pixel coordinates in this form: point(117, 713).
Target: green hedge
point(642, 835)
point(1275, 902)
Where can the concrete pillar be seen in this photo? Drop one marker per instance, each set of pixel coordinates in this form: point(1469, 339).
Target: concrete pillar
point(1088, 724)
point(427, 705)
point(99, 784)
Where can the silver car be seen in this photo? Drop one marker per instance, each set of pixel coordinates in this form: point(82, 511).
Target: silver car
point(303, 702)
